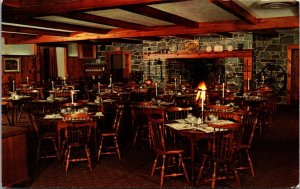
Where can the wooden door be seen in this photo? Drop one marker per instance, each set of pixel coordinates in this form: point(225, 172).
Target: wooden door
point(119, 66)
point(293, 75)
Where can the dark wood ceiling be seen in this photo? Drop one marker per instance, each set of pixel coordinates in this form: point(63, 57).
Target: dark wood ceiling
point(44, 21)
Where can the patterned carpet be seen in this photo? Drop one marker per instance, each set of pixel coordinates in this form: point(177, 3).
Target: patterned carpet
point(275, 157)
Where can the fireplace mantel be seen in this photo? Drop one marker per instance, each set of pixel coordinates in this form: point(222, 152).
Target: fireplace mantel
point(245, 54)
point(200, 54)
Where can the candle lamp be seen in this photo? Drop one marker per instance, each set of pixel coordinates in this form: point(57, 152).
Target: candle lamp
point(99, 88)
point(175, 84)
point(13, 86)
point(248, 84)
point(223, 90)
point(201, 94)
point(155, 89)
point(110, 80)
point(52, 82)
point(72, 96)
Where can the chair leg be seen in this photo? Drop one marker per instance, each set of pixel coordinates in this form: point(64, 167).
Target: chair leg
point(149, 138)
point(250, 163)
point(63, 150)
point(237, 178)
point(38, 152)
point(55, 147)
point(100, 149)
point(117, 147)
point(68, 158)
point(87, 151)
point(8, 119)
point(154, 165)
point(162, 175)
point(135, 136)
point(65, 155)
point(201, 169)
point(184, 169)
point(213, 183)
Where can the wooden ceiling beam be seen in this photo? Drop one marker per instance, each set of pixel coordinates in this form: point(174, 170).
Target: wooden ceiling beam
point(17, 35)
point(206, 28)
point(33, 31)
point(106, 21)
point(39, 9)
point(235, 9)
point(55, 25)
point(161, 15)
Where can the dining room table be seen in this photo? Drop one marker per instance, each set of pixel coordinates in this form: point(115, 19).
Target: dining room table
point(58, 119)
point(250, 103)
point(195, 132)
point(15, 102)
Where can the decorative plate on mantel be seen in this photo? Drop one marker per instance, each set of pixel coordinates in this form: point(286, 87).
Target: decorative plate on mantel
point(191, 46)
point(173, 48)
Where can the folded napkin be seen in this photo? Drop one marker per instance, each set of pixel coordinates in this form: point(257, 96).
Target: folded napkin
point(99, 114)
point(222, 122)
point(108, 100)
point(204, 128)
point(60, 98)
point(166, 103)
point(53, 116)
point(179, 126)
point(181, 121)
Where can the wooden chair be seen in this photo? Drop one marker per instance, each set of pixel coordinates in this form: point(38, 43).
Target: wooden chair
point(223, 153)
point(77, 136)
point(173, 113)
point(113, 133)
point(249, 124)
point(218, 108)
point(164, 150)
point(139, 121)
point(185, 100)
point(42, 137)
point(166, 98)
point(5, 110)
point(267, 111)
point(73, 107)
point(234, 116)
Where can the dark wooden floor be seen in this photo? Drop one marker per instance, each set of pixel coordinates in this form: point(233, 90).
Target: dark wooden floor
point(275, 156)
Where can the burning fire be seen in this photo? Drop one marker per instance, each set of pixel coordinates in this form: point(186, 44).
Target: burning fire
point(202, 86)
point(201, 91)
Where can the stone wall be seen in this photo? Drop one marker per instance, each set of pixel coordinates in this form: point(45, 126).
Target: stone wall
point(266, 51)
point(273, 51)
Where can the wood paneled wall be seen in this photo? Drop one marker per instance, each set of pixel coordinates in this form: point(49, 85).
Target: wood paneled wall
point(29, 68)
point(75, 68)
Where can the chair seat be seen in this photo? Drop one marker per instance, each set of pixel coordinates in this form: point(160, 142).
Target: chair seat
point(171, 151)
point(76, 144)
point(48, 135)
point(244, 146)
point(108, 134)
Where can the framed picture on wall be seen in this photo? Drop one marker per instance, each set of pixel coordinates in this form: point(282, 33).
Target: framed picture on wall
point(12, 64)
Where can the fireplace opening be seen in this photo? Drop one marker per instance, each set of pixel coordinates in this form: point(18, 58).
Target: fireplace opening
point(193, 71)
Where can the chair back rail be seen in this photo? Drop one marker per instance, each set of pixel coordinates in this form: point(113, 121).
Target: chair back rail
point(173, 113)
point(157, 133)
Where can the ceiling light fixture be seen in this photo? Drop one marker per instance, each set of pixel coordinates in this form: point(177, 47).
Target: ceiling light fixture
point(277, 4)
